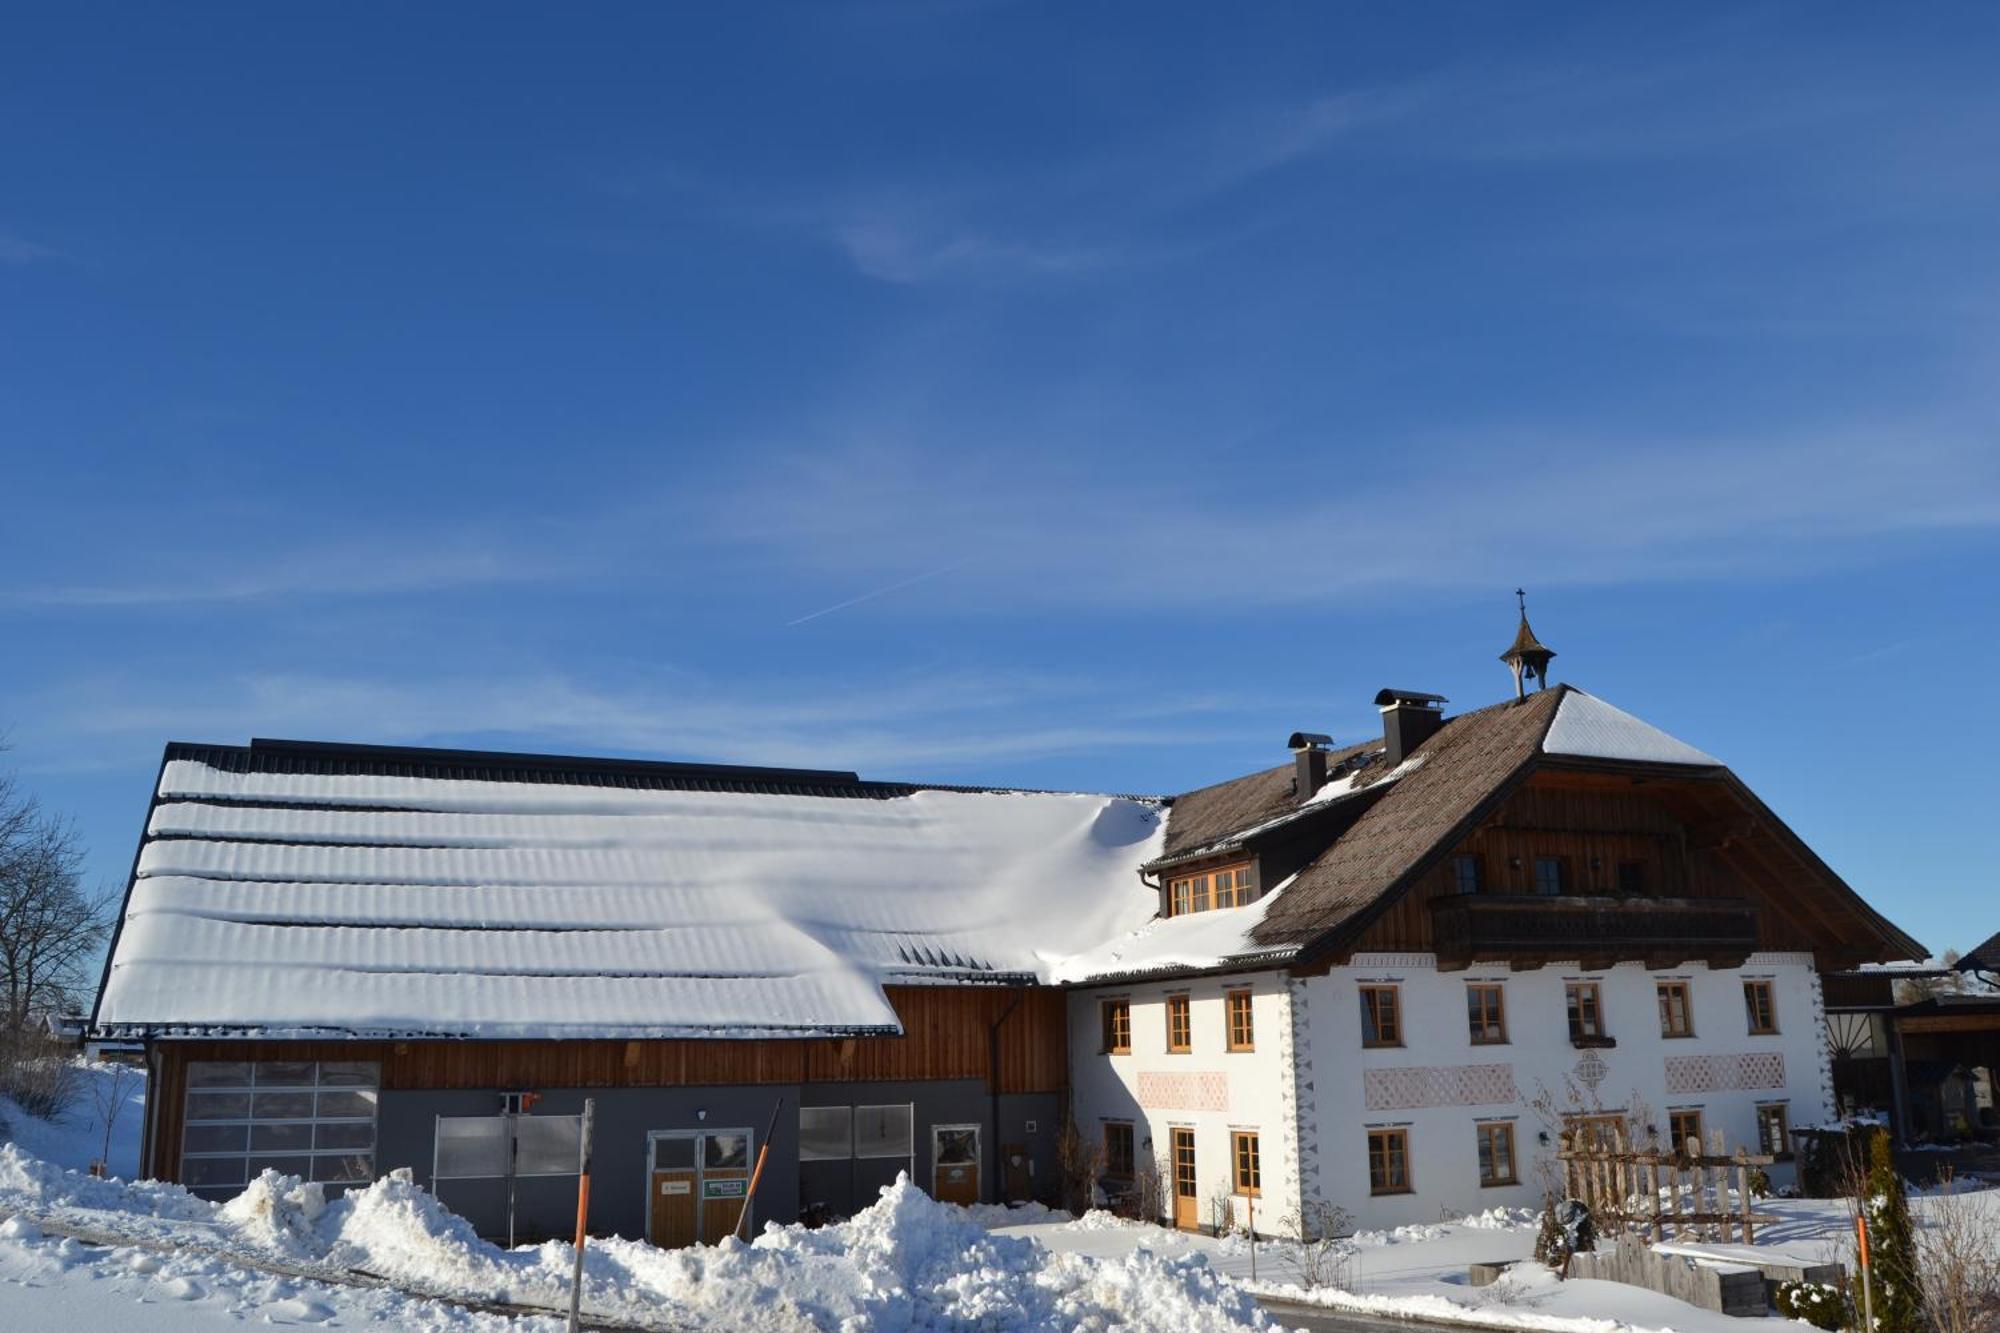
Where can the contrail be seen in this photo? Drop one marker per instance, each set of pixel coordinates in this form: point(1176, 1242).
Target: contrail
point(879, 592)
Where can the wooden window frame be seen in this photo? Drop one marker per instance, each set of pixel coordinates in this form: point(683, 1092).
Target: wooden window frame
point(1591, 1129)
point(1396, 1141)
point(1212, 888)
point(1499, 991)
point(1782, 1151)
point(1239, 1141)
point(1235, 1003)
point(1370, 1012)
point(1476, 863)
point(1574, 991)
point(1180, 1006)
point(1488, 1134)
point(1115, 1026)
point(1700, 1135)
point(1131, 1163)
point(1666, 991)
point(1563, 877)
point(1768, 1027)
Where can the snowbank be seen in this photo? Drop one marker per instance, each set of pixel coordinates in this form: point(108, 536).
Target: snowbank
point(906, 1263)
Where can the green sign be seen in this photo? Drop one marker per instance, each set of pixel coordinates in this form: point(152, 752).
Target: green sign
point(724, 1189)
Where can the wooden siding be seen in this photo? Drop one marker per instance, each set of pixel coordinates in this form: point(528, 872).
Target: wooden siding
point(1682, 833)
point(946, 1037)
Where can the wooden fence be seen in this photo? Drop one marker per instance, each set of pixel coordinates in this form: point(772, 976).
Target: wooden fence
point(1650, 1189)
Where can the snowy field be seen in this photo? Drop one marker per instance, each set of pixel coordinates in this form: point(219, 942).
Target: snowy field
point(907, 1263)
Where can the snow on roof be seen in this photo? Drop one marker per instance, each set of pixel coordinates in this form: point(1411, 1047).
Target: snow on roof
point(1170, 944)
point(372, 903)
point(1588, 727)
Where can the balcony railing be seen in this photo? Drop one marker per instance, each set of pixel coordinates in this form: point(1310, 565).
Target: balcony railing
point(1529, 931)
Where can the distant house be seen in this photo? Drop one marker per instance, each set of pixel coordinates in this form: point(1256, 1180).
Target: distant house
point(1929, 1060)
point(1376, 976)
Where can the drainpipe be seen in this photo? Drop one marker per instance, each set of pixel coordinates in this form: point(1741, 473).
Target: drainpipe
point(993, 1081)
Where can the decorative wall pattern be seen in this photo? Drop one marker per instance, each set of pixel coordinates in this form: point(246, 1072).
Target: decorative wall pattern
point(1449, 1085)
point(1184, 1092)
point(1724, 1073)
point(1296, 1062)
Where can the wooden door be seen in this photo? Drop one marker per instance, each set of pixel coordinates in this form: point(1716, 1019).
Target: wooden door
point(675, 1193)
point(1019, 1185)
point(1187, 1208)
point(725, 1182)
point(955, 1163)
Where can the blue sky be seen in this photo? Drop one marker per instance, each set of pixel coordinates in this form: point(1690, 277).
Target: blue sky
point(1060, 395)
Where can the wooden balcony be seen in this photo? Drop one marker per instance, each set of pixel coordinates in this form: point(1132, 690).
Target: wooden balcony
point(1531, 931)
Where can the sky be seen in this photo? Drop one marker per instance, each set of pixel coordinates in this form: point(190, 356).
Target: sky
point(1054, 395)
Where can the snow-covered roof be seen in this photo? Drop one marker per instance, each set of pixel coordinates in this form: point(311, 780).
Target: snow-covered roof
point(1588, 727)
point(280, 896)
point(1196, 942)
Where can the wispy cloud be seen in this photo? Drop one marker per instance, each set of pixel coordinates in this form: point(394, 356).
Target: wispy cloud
point(1578, 510)
point(252, 571)
point(19, 250)
point(916, 725)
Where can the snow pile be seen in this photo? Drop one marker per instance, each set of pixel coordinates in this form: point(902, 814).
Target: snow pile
point(907, 1263)
point(76, 1138)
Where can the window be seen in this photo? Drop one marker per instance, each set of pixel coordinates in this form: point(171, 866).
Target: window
point(1485, 1014)
point(1179, 1035)
point(1683, 1125)
point(1465, 876)
point(1231, 886)
point(1676, 1014)
point(1551, 875)
point(1586, 1011)
point(1597, 1131)
point(1243, 1152)
point(1631, 877)
point(826, 1133)
point(1496, 1154)
point(1381, 1017)
point(1118, 1160)
point(1388, 1161)
point(1773, 1132)
point(1242, 1026)
point(1117, 1019)
point(883, 1131)
point(1762, 1008)
point(313, 1119)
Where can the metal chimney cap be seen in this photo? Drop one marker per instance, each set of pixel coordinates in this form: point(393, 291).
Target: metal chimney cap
point(1390, 698)
point(1309, 740)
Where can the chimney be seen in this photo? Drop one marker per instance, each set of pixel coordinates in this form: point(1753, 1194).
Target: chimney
point(1309, 753)
point(1409, 718)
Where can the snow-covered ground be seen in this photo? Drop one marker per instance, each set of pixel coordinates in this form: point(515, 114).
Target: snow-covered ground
point(906, 1263)
point(1420, 1271)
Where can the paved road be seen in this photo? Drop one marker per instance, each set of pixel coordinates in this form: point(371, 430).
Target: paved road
point(1317, 1320)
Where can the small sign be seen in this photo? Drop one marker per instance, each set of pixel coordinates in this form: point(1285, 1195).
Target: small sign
point(724, 1189)
point(677, 1187)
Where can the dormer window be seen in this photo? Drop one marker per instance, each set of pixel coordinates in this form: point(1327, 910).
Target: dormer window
point(1229, 886)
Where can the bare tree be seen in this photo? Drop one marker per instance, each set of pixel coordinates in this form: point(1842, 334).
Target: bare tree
point(1909, 990)
point(50, 927)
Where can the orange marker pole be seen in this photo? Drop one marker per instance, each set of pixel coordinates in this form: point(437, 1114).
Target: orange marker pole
point(582, 1209)
point(757, 1171)
point(1867, 1284)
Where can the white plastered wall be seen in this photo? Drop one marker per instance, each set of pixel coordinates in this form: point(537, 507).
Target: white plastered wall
point(1210, 1089)
point(1438, 1085)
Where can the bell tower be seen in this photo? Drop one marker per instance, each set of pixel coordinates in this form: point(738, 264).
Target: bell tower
point(1527, 657)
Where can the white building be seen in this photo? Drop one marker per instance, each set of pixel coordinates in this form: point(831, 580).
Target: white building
point(1386, 978)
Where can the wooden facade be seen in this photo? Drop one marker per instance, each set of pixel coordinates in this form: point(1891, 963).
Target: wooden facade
point(1692, 842)
point(948, 1034)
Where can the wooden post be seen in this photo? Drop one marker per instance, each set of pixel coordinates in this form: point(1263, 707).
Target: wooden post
point(1743, 1197)
point(582, 1209)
